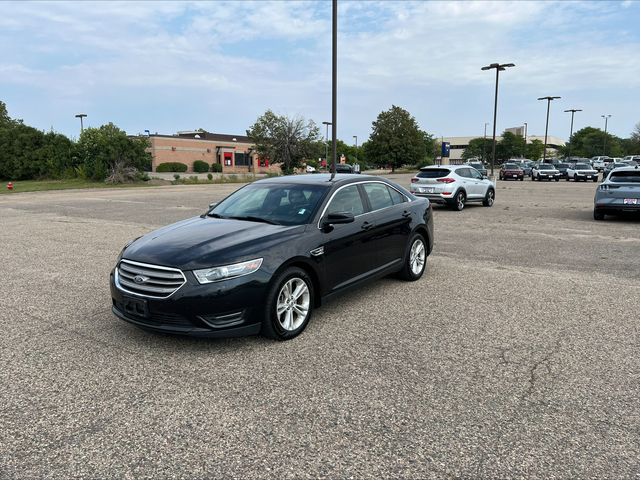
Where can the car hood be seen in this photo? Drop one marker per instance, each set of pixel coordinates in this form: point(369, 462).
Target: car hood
point(204, 242)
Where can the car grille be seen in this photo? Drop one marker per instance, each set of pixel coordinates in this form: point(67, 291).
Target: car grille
point(157, 319)
point(157, 282)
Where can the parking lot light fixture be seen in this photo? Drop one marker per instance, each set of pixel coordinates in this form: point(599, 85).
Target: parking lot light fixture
point(606, 118)
point(525, 141)
point(498, 68)
point(356, 137)
point(81, 116)
point(571, 134)
point(484, 142)
point(546, 130)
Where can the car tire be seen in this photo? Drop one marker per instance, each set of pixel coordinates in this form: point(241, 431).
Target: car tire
point(286, 315)
point(522, 179)
point(575, 178)
point(598, 215)
point(567, 179)
point(459, 201)
point(557, 180)
point(416, 260)
point(489, 198)
point(595, 179)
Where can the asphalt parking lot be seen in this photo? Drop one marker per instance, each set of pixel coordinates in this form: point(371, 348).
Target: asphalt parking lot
point(516, 355)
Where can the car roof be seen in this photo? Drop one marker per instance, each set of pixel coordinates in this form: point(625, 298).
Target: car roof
point(321, 179)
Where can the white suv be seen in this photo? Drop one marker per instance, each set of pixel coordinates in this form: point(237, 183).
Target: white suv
point(599, 162)
point(453, 185)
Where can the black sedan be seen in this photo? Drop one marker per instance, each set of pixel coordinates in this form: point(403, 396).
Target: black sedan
point(264, 257)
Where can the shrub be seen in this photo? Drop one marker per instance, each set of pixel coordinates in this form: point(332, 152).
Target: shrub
point(121, 173)
point(210, 177)
point(200, 167)
point(424, 163)
point(194, 178)
point(176, 176)
point(171, 167)
point(272, 175)
point(216, 167)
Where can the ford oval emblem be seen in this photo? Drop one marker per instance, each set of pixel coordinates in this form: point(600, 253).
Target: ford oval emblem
point(140, 279)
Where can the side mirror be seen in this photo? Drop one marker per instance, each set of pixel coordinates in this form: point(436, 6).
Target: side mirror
point(211, 205)
point(334, 218)
point(484, 177)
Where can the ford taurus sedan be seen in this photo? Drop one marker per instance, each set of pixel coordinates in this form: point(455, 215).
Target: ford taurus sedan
point(263, 258)
point(618, 193)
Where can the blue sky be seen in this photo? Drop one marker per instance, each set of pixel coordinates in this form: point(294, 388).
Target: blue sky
point(169, 66)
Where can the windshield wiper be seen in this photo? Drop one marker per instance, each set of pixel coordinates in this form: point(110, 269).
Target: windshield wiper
point(256, 219)
point(215, 215)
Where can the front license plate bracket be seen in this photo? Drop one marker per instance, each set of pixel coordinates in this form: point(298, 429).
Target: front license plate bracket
point(135, 306)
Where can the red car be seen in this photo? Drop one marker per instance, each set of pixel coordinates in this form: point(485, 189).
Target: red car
point(511, 171)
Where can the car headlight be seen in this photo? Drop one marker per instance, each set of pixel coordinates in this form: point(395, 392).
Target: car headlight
point(226, 272)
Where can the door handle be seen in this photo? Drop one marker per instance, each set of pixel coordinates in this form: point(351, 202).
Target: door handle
point(406, 214)
point(367, 226)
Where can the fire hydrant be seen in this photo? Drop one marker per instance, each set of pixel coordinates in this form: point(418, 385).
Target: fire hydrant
point(10, 186)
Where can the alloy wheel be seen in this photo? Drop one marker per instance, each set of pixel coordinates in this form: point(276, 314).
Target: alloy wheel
point(417, 257)
point(293, 303)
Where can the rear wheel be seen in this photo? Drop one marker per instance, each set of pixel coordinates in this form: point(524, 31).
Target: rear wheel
point(598, 215)
point(289, 305)
point(416, 259)
point(595, 179)
point(557, 179)
point(522, 179)
point(575, 177)
point(461, 198)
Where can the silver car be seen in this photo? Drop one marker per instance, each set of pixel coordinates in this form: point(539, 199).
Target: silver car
point(618, 193)
point(453, 185)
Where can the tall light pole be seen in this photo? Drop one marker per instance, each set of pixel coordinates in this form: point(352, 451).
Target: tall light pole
point(525, 141)
point(498, 68)
point(326, 150)
point(484, 142)
point(606, 118)
point(334, 89)
point(573, 112)
point(80, 116)
point(546, 130)
point(356, 137)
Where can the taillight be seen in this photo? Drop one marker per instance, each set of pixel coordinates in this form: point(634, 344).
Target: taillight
point(414, 180)
point(446, 180)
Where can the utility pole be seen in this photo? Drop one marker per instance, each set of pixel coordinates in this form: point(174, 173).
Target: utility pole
point(356, 137)
point(80, 116)
point(525, 140)
point(484, 142)
point(571, 134)
point(604, 148)
point(546, 130)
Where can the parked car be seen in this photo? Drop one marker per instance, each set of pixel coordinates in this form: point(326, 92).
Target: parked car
point(264, 257)
point(453, 185)
point(618, 193)
point(540, 171)
point(479, 166)
point(599, 162)
point(631, 158)
point(343, 168)
point(511, 171)
point(310, 169)
point(612, 165)
point(562, 168)
point(581, 171)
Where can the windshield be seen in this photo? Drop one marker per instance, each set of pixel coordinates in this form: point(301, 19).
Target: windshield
point(283, 204)
point(632, 176)
point(511, 166)
point(582, 166)
point(562, 165)
point(545, 167)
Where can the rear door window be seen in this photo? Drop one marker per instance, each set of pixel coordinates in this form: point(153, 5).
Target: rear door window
point(379, 196)
point(396, 196)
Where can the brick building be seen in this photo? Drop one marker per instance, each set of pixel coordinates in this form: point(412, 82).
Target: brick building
point(234, 152)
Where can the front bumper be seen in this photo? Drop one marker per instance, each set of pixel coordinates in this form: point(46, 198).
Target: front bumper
point(512, 176)
point(586, 176)
point(546, 176)
point(225, 309)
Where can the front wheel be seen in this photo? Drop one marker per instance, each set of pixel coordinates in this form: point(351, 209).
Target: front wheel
point(461, 198)
point(289, 305)
point(416, 259)
point(575, 177)
point(489, 198)
point(595, 179)
point(557, 179)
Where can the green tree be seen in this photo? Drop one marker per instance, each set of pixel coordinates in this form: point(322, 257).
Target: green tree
point(396, 139)
point(475, 147)
point(5, 120)
point(510, 146)
point(590, 142)
point(634, 139)
point(535, 149)
point(286, 140)
point(106, 150)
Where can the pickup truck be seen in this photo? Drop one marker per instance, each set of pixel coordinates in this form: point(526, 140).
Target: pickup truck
point(600, 162)
point(581, 171)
